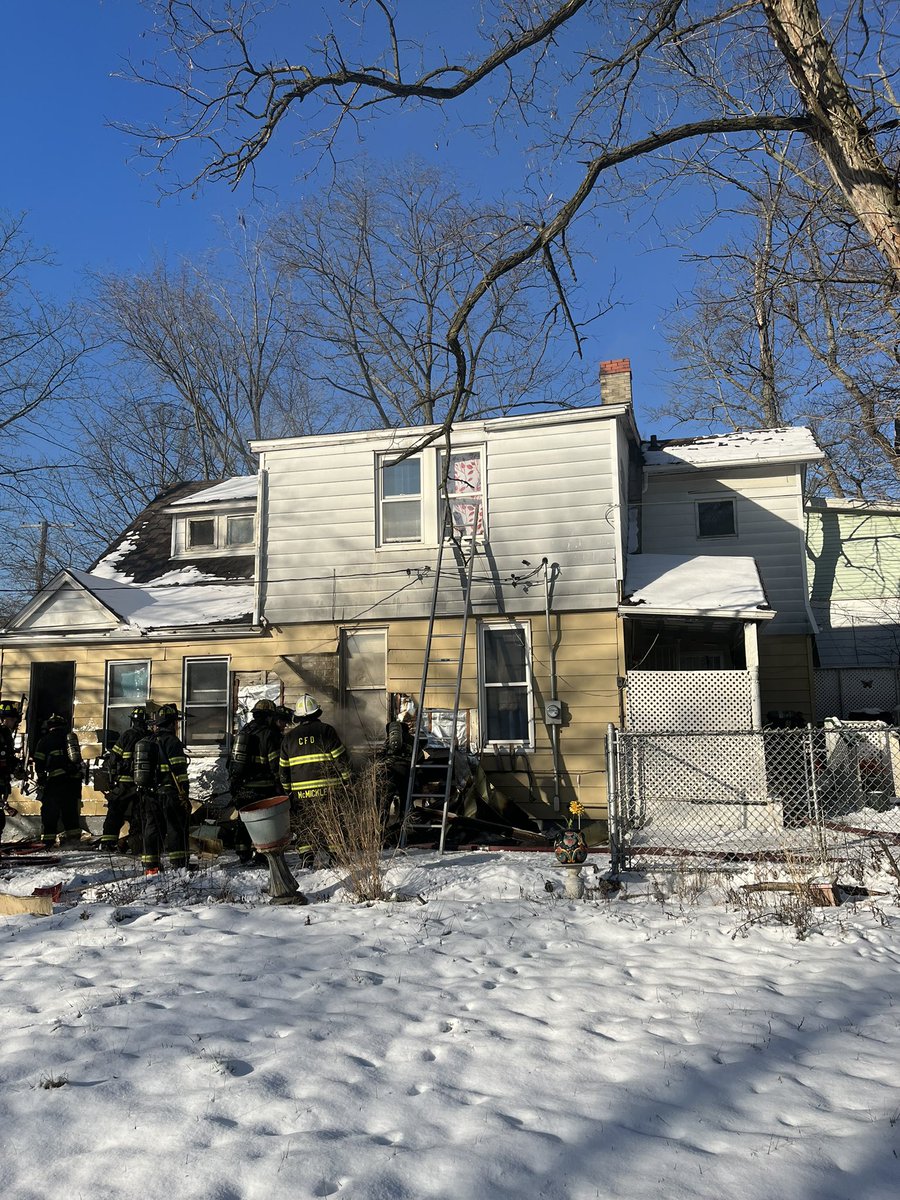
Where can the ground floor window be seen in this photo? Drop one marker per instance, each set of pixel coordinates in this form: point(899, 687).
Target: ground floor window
point(364, 685)
point(506, 692)
point(127, 688)
point(206, 720)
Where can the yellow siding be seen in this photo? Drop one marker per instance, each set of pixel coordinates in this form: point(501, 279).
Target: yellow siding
point(303, 657)
point(786, 674)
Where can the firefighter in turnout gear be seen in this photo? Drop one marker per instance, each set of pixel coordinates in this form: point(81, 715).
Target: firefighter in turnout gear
point(161, 778)
point(121, 803)
point(313, 762)
point(59, 768)
point(253, 767)
point(10, 715)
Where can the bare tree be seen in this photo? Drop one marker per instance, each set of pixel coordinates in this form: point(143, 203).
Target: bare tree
point(600, 84)
point(216, 352)
point(380, 266)
point(41, 348)
point(797, 322)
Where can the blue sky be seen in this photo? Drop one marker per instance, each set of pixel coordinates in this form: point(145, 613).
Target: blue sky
point(89, 204)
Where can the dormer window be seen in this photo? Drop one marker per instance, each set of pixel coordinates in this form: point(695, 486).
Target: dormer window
point(201, 535)
point(211, 534)
point(238, 531)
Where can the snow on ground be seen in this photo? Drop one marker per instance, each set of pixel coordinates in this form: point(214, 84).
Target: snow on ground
point(487, 1039)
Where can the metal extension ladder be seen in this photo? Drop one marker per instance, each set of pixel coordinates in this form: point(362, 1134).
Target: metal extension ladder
point(413, 791)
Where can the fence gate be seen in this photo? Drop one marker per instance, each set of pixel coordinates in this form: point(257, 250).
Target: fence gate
point(813, 793)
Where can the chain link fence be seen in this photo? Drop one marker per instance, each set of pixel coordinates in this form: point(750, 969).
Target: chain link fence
point(813, 794)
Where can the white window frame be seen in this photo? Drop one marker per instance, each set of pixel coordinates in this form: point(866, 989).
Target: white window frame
point(431, 501)
point(212, 748)
point(181, 530)
point(484, 629)
point(124, 662)
point(471, 452)
point(721, 499)
point(237, 547)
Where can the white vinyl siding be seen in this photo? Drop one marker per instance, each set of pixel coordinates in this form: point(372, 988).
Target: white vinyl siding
point(549, 485)
point(768, 519)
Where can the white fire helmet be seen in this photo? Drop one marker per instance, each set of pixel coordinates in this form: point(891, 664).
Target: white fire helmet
point(307, 706)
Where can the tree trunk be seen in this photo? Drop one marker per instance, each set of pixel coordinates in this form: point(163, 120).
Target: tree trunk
point(838, 128)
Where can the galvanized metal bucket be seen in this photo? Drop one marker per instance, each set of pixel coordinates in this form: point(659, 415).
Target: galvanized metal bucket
point(268, 822)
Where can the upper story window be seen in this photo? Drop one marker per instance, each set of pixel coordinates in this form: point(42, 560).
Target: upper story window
point(410, 500)
point(401, 500)
point(716, 518)
point(465, 492)
point(201, 534)
point(218, 533)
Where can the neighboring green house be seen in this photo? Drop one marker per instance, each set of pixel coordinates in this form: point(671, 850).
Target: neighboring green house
point(853, 548)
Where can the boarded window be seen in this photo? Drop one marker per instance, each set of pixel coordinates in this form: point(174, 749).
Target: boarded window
point(465, 492)
point(364, 685)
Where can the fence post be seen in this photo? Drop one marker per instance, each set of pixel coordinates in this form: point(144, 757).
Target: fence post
point(612, 801)
point(815, 806)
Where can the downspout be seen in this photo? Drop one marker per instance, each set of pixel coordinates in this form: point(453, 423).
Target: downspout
point(262, 535)
point(554, 729)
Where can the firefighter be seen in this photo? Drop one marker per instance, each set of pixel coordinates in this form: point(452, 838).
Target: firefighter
point(121, 802)
point(59, 769)
point(253, 767)
point(313, 762)
point(161, 777)
point(10, 715)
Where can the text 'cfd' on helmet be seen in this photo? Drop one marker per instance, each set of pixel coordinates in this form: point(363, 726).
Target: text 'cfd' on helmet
point(10, 708)
point(138, 716)
point(264, 708)
point(307, 706)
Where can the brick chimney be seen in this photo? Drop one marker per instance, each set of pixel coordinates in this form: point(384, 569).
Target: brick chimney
point(615, 381)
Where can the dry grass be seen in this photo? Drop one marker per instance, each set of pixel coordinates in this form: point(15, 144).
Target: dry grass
point(349, 821)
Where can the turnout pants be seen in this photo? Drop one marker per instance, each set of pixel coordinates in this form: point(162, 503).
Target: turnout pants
point(164, 819)
point(60, 805)
point(121, 806)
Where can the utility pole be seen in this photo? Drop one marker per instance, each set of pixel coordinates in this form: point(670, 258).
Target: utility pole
point(41, 560)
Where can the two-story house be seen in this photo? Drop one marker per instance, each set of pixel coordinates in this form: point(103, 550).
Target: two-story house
point(349, 546)
point(595, 563)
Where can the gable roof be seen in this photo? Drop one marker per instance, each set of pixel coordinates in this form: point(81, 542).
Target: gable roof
point(791, 444)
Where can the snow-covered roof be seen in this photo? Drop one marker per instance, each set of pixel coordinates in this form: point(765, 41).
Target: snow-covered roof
point(699, 585)
point(180, 599)
point(753, 448)
point(239, 487)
